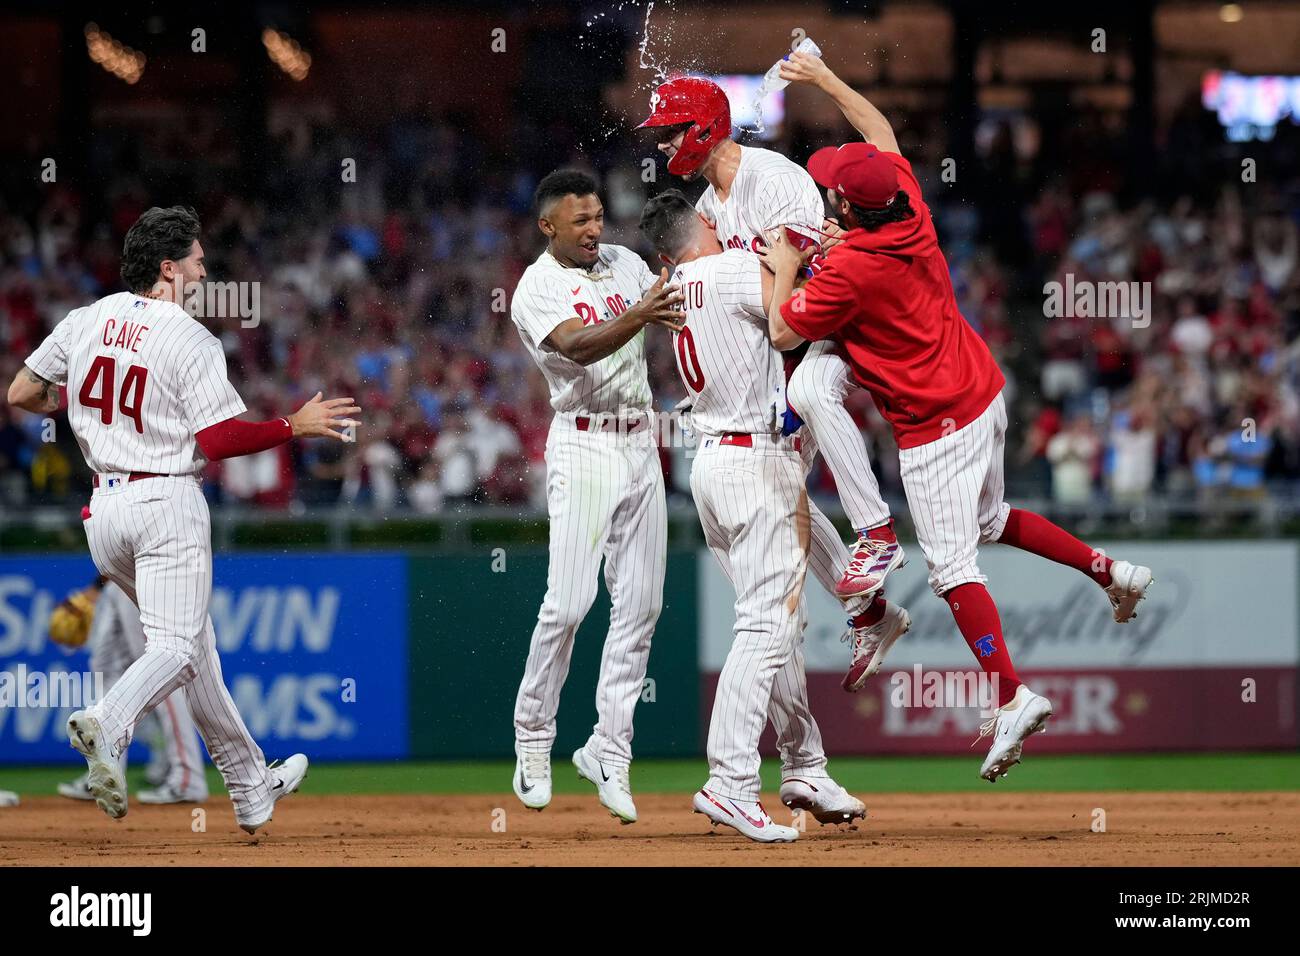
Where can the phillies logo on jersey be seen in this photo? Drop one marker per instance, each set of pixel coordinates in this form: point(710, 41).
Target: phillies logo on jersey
point(797, 239)
point(735, 242)
point(985, 646)
point(615, 306)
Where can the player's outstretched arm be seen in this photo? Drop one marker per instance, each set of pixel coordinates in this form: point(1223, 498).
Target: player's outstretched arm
point(857, 109)
point(317, 419)
point(586, 344)
point(31, 392)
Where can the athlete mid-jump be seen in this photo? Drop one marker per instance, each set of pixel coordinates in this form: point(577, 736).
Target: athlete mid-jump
point(150, 404)
point(750, 192)
point(885, 296)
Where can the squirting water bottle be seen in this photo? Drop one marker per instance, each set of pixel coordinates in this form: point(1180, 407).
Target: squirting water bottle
point(772, 78)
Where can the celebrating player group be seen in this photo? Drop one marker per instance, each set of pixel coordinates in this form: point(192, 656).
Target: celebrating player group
point(776, 313)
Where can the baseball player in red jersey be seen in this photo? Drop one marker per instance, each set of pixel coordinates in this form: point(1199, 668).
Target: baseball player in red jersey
point(750, 192)
point(885, 295)
point(150, 405)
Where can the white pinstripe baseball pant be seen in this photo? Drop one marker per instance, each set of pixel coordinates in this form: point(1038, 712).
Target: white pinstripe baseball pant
point(954, 490)
point(116, 641)
point(605, 497)
point(753, 507)
point(153, 539)
point(816, 392)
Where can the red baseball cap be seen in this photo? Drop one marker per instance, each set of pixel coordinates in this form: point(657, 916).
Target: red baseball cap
point(857, 171)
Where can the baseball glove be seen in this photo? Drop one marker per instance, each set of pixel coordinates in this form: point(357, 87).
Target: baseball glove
point(70, 622)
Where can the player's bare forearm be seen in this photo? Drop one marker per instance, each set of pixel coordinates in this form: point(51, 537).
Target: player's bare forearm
point(34, 394)
point(782, 336)
point(858, 110)
point(862, 115)
point(586, 344)
point(591, 343)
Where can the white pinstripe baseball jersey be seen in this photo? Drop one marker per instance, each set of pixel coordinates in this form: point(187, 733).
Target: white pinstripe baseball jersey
point(143, 378)
point(549, 294)
point(724, 355)
point(769, 191)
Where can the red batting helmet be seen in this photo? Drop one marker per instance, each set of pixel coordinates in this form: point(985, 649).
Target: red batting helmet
point(701, 103)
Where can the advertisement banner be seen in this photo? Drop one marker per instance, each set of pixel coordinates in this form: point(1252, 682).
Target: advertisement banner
point(1200, 667)
point(313, 650)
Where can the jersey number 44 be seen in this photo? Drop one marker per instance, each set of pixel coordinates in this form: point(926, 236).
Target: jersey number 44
point(99, 391)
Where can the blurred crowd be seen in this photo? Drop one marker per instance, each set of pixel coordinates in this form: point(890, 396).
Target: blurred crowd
point(1199, 395)
point(395, 289)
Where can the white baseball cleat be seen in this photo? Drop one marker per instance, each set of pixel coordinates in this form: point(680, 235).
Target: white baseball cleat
point(167, 793)
point(825, 799)
point(286, 778)
point(612, 784)
point(104, 776)
point(533, 779)
point(872, 643)
point(748, 818)
point(1025, 714)
point(8, 798)
point(1128, 585)
point(78, 789)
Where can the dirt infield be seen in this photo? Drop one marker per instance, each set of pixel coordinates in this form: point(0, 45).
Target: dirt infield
point(903, 829)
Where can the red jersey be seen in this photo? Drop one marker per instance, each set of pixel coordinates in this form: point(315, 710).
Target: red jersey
point(886, 297)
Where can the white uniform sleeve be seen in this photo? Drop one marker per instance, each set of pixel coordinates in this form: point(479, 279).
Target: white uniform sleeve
point(539, 307)
point(645, 278)
point(740, 284)
point(792, 199)
point(50, 360)
point(207, 395)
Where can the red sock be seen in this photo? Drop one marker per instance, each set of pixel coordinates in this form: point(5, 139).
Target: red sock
point(1034, 533)
point(977, 619)
point(872, 615)
point(881, 532)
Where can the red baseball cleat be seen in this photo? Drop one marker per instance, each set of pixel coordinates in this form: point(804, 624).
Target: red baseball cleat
point(872, 643)
point(872, 561)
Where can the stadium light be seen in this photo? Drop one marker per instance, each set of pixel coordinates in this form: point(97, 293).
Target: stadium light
point(117, 58)
point(286, 53)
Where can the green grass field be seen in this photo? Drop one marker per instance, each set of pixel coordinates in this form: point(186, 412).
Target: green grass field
point(1209, 772)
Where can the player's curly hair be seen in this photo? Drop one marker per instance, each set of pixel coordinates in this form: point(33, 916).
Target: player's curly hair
point(896, 211)
point(157, 235)
point(667, 221)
